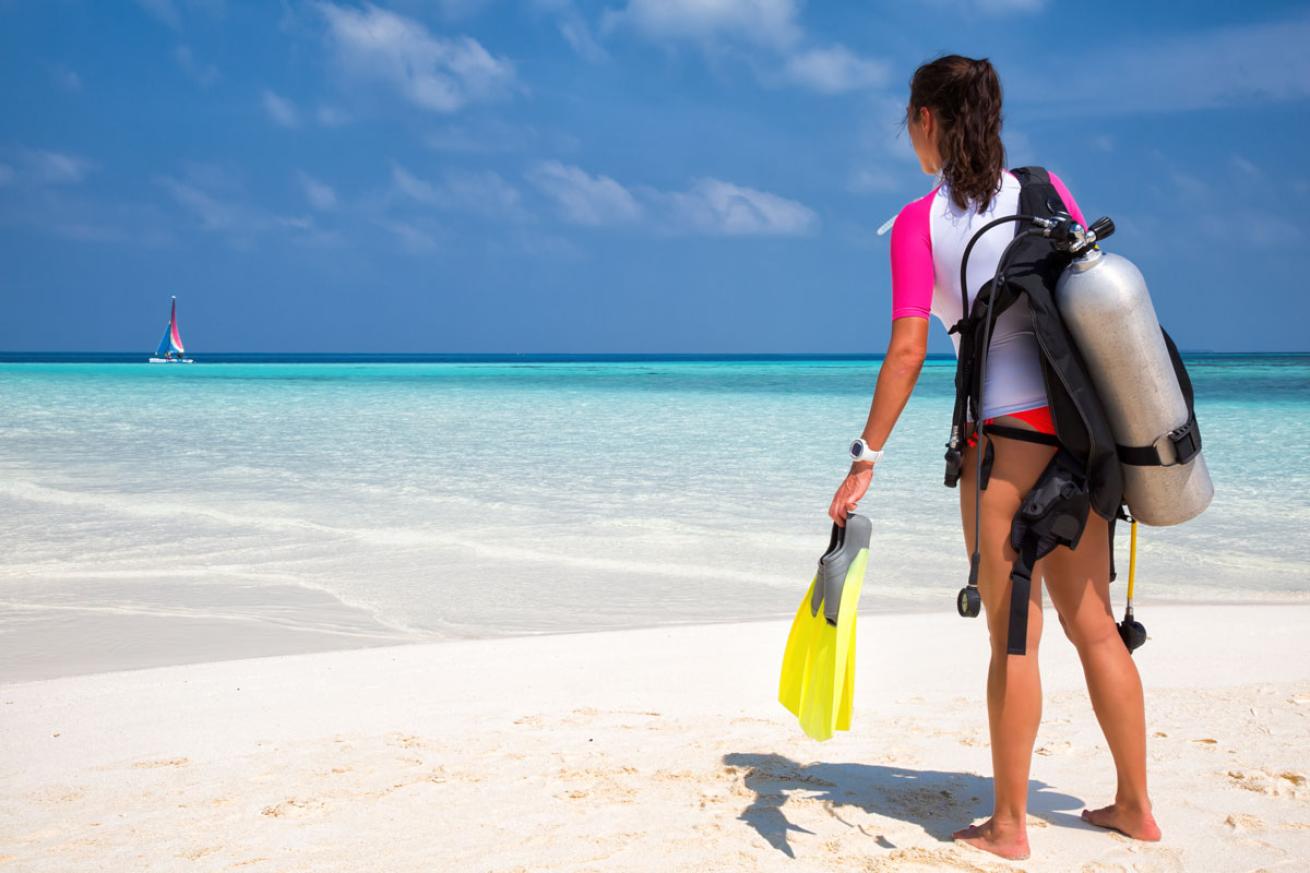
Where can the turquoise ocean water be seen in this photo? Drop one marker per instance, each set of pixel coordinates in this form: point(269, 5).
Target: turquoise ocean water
point(472, 498)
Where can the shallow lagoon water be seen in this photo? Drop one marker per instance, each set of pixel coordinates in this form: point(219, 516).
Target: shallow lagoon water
point(425, 500)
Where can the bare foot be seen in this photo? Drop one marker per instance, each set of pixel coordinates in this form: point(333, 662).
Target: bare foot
point(1008, 842)
point(1129, 821)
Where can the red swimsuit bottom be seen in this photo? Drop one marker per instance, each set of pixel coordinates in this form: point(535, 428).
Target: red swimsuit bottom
point(1039, 418)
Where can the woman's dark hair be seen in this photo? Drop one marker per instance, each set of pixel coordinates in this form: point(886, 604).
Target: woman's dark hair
point(965, 97)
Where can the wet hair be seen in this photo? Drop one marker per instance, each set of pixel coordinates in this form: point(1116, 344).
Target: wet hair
point(965, 97)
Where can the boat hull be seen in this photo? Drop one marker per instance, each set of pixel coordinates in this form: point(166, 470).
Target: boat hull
point(154, 360)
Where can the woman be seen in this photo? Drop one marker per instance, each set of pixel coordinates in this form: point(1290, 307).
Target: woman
point(954, 121)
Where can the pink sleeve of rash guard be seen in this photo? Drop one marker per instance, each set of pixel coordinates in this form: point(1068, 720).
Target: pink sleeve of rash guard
point(912, 270)
point(1069, 202)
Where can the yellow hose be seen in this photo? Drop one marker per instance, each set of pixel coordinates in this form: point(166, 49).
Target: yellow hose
point(1132, 560)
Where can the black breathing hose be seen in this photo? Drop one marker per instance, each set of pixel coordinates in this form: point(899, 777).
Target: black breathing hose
point(976, 557)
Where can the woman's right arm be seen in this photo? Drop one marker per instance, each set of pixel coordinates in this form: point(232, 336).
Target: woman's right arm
point(912, 287)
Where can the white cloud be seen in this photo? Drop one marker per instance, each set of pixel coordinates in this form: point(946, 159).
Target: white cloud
point(1001, 7)
point(1246, 167)
point(573, 26)
point(577, 33)
point(715, 207)
point(67, 79)
point(456, 138)
point(280, 110)
point(873, 180)
point(332, 116)
point(69, 214)
point(54, 168)
point(436, 73)
point(1189, 185)
point(203, 74)
point(453, 10)
point(1256, 228)
point(1237, 65)
point(319, 194)
point(212, 212)
point(163, 10)
point(755, 27)
point(415, 238)
point(1019, 148)
point(1103, 143)
point(709, 206)
point(482, 192)
point(496, 136)
point(762, 22)
point(886, 160)
point(412, 186)
point(166, 11)
point(834, 70)
point(972, 8)
point(583, 198)
point(218, 201)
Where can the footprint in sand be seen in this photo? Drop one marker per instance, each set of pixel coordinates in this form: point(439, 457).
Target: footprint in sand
point(58, 794)
point(1056, 748)
point(1286, 784)
point(1240, 821)
point(405, 741)
point(161, 762)
point(914, 860)
point(293, 807)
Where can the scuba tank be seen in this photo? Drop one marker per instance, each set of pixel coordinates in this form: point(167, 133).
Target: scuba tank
point(1103, 300)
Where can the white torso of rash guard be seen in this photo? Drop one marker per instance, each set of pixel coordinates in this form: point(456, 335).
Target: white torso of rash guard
point(1014, 378)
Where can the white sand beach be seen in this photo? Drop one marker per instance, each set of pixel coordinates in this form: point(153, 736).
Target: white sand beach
point(656, 750)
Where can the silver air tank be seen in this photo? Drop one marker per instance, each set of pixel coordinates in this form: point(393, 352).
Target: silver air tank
point(1104, 302)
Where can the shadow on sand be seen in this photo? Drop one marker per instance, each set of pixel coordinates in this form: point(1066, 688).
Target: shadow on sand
point(940, 802)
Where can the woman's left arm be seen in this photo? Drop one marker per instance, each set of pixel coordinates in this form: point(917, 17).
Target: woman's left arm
point(896, 379)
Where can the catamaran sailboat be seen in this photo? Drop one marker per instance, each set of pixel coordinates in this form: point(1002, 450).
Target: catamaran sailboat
point(170, 349)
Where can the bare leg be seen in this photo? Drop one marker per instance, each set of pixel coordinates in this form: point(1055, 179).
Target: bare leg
point(1079, 584)
point(1014, 690)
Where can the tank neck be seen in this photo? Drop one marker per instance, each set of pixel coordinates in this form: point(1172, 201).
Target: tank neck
point(1087, 260)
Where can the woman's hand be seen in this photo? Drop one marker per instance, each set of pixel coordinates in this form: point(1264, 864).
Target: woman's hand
point(850, 492)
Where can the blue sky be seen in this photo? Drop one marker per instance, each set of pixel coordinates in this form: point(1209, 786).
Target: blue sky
point(617, 176)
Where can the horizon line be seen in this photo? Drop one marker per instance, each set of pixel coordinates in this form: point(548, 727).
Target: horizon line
point(4, 354)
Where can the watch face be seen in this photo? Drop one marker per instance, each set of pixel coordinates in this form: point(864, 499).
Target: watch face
point(856, 449)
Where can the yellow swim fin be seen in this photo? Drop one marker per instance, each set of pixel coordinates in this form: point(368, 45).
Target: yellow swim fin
point(818, 665)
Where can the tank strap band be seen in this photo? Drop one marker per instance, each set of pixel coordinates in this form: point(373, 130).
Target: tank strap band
point(1184, 444)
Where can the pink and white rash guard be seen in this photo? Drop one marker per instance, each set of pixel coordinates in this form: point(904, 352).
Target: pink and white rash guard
point(928, 241)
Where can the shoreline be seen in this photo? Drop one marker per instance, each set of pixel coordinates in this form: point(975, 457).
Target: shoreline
point(658, 749)
point(180, 640)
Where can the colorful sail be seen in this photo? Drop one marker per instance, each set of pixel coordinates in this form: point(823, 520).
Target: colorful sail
point(174, 338)
point(164, 345)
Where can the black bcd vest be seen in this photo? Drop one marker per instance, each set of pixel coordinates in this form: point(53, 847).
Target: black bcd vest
point(1084, 475)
